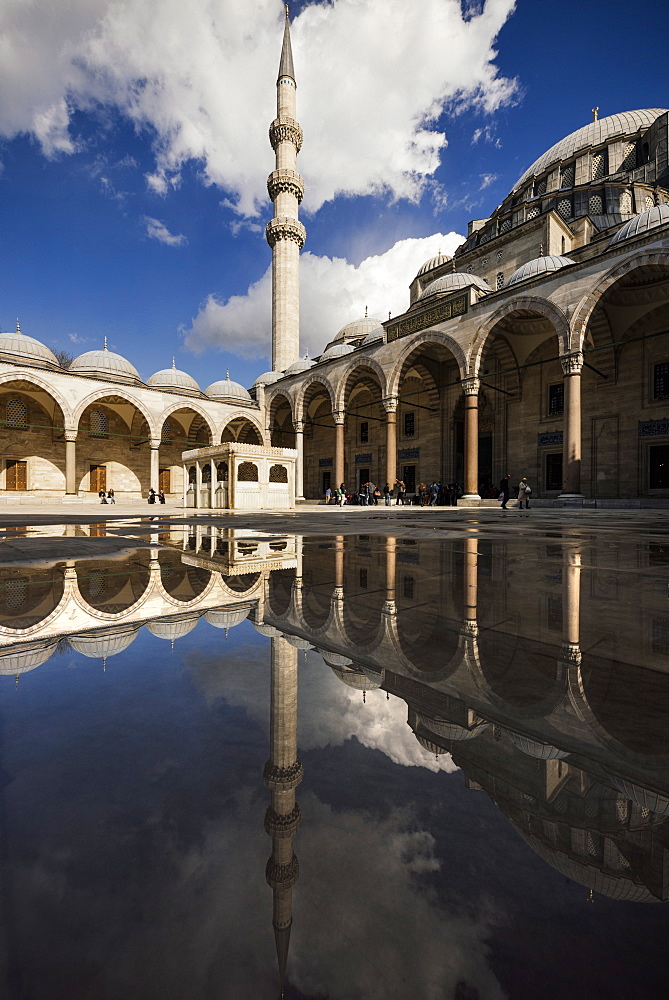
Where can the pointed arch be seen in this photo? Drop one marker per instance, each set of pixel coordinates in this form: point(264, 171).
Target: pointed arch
point(28, 375)
point(111, 390)
point(421, 341)
point(525, 306)
point(188, 404)
point(319, 379)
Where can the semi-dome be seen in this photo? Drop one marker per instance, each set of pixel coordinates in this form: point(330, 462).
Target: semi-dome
point(267, 630)
point(533, 748)
point(225, 388)
point(658, 215)
point(604, 130)
point(450, 730)
point(105, 364)
point(227, 618)
point(299, 366)
point(16, 347)
point(12, 664)
point(374, 337)
point(103, 644)
point(267, 378)
point(173, 379)
point(358, 329)
point(335, 659)
point(436, 261)
point(173, 628)
point(337, 351)
point(452, 283)
point(540, 265)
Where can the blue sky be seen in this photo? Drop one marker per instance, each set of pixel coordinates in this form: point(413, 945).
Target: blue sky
point(134, 151)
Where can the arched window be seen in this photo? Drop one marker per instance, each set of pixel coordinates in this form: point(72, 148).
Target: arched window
point(192, 476)
point(222, 472)
point(98, 424)
point(17, 413)
point(500, 280)
point(278, 474)
point(247, 473)
point(206, 473)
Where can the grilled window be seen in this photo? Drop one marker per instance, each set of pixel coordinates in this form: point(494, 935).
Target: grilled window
point(17, 413)
point(556, 398)
point(661, 381)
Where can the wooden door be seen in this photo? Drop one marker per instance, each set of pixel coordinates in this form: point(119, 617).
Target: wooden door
point(164, 481)
point(98, 478)
point(17, 475)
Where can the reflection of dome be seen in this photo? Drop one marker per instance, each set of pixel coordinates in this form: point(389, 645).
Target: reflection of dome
point(173, 628)
point(26, 350)
point(644, 797)
point(103, 644)
point(540, 265)
point(267, 630)
point(297, 367)
point(267, 378)
point(653, 217)
point(453, 282)
point(335, 659)
point(173, 379)
point(337, 351)
point(542, 751)
point(224, 618)
point(225, 388)
point(358, 329)
point(12, 663)
point(374, 337)
point(436, 261)
point(296, 642)
point(105, 364)
point(352, 676)
point(430, 747)
point(374, 680)
point(449, 730)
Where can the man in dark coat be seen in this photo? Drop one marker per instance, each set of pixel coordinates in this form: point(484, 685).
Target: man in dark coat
point(504, 490)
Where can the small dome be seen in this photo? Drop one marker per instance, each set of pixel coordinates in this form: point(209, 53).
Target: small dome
point(337, 351)
point(353, 677)
point(540, 265)
point(429, 265)
point(267, 378)
point(374, 337)
point(335, 659)
point(656, 216)
point(227, 389)
point(227, 618)
point(297, 367)
point(358, 329)
point(12, 663)
point(450, 730)
point(644, 797)
point(173, 379)
point(452, 283)
point(105, 364)
point(25, 350)
point(296, 642)
point(267, 630)
point(102, 644)
point(542, 751)
point(173, 628)
point(429, 746)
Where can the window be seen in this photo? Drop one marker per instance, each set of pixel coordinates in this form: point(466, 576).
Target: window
point(598, 163)
point(278, 474)
point(166, 433)
point(556, 398)
point(222, 472)
point(554, 614)
point(567, 176)
point(364, 432)
point(362, 577)
point(17, 413)
point(661, 380)
point(629, 158)
point(500, 280)
point(206, 474)
point(625, 203)
point(407, 587)
point(658, 456)
point(564, 208)
point(648, 202)
point(554, 471)
point(16, 593)
point(660, 636)
point(595, 204)
point(97, 424)
point(533, 212)
point(409, 478)
point(192, 476)
point(409, 424)
point(247, 473)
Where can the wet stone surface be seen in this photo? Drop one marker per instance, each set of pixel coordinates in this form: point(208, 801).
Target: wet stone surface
point(398, 758)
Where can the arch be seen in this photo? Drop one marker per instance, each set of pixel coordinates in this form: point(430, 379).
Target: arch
point(246, 431)
point(100, 395)
point(45, 387)
point(301, 396)
point(419, 342)
point(531, 304)
point(349, 376)
point(29, 597)
point(280, 420)
point(187, 405)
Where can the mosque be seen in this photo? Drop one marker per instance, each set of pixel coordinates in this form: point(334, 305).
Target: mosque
point(540, 348)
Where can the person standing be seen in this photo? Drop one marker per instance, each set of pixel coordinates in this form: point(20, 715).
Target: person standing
point(103, 496)
point(401, 493)
point(504, 490)
point(341, 494)
point(386, 494)
point(152, 495)
point(524, 492)
point(434, 493)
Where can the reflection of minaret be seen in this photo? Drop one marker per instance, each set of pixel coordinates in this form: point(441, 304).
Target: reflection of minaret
point(283, 773)
point(285, 233)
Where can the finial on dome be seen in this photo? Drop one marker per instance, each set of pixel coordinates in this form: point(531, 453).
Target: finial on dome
point(595, 114)
point(173, 362)
point(172, 643)
point(18, 325)
point(541, 250)
point(104, 664)
point(306, 354)
point(227, 631)
point(389, 314)
point(365, 312)
point(227, 374)
point(17, 681)
point(105, 347)
point(287, 12)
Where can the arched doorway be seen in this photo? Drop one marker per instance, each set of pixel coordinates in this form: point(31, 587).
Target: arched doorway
point(282, 431)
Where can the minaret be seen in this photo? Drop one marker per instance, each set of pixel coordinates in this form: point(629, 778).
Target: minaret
point(285, 233)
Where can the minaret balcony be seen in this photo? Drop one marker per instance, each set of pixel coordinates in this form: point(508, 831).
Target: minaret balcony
point(285, 228)
point(285, 130)
point(284, 180)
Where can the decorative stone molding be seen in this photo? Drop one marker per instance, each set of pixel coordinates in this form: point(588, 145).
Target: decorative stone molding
point(282, 779)
point(282, 876)
point(155, 443)
point(298, 426)
point(572, 363)
point(285, 130)
point(70, 435)
point(470, 629)
point(282, 824)
point(571, 653)
point(284, 228)
point(339, 416)
point(284, 180)
point(390, 404)
point(471, 386)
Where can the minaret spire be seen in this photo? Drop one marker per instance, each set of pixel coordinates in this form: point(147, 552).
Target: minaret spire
point(285, 233)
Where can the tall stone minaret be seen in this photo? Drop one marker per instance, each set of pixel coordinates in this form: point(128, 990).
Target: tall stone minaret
point(285, 233)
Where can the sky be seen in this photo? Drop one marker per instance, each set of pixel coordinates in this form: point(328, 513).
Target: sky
point(134, 155)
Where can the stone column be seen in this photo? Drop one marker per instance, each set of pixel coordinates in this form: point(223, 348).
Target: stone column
point(571, 606)
point(471, 390)
point(70, 462)
point(298, 427)
point(155, 463)
point(339, 416)
point(470, 626)
point(391, 571)
point(390, 406)
point(214, 484)
point(198, 484)
point(572, 366)
point(339, 562)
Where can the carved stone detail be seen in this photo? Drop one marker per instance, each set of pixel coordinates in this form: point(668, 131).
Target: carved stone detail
point(282, 779)
point(282, 824)
point(471, 386)
point(572, 363)
point(285, 130)
point(390, 404)
point(571, 653)
point(284, 228)
point(282, 876)
point(470, 628)
point(285, 180)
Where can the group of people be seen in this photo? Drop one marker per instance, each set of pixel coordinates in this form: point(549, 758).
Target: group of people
point(156, 497)
point(107, 497)
point(369, 495)
point(524, 492)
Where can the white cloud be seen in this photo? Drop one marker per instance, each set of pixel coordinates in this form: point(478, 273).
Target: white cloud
point(332, 292)
point(487, 180)
point(76, 339)
point(157, 230)
point(200, 78)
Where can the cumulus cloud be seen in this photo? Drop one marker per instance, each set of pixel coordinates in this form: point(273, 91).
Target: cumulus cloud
point(199, 78)
point(332, 292)
point(157, 230)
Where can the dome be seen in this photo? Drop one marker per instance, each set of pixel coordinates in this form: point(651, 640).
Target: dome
point(358, 329)
point(26, 350)
point(227, 389)
point(337, 351)
point(352, 676)
point(267, 378)
point(335, 659)
point(541, 751)
point(102, 644)
point(658, 215)
point(449, 730)
point(644, 797)
point(173, 628)
point(267, 630)
point(12, 663)
point(430, 747)
point(105, 364)
point(296, 642)
point(429, 265)
point(540, 265)
point(302, 365)
point(173, 379)
point(452, 282)
point(374, 679)
point(227, 618)
point(593, 134)
point(374, 337)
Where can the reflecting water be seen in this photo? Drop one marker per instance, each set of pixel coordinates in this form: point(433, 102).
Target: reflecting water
point(465, 743)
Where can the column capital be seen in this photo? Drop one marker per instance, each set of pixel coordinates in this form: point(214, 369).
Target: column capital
point(390, 404)
point(298, 426)
point(71, 434)
point(470, 628)
point(572, 363)
point(154, 443)
point(338, 416)
point(571, 653)
point(471, 385)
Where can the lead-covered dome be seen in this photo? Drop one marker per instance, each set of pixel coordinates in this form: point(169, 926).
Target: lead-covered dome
point(436, 261)
point(225, 388)
point(658, 215)
point(358, 329)
point(450, 730)
point(337, 351)
point(16, 347)
point(174, 380)
point(12, 663)
point(540, 265)
point(374, 337)
point(267, 378)
point(103, 644)
point(453, 283)
point(173, 628)
point(105, 364)
point(299, 366)
point(226, 617)
point(533, 748)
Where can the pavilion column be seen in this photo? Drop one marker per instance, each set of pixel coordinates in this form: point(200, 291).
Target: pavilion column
point(471, 390)
point(298, 427)
point(572, 366)
point(71, 462)
point(339, 416)
point(390, 406)
point(471, 582)
point(198, 484)
point(155, 463)
point(214, 484)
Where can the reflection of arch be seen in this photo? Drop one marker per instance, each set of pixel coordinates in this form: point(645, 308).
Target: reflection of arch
point(44, 387)
point(279, 591)
point(427, 640)
point(28, 596)
point(110, 393)
point(525, 307)
point(428, 339)
point(182, 583)
point(112, 587)
point(361, 370)
point(520, 675)
point(241, 583)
